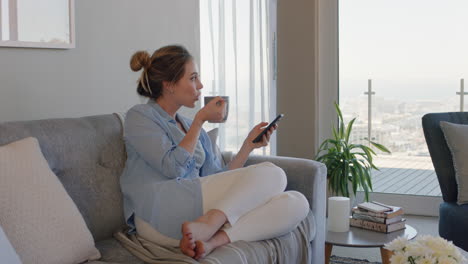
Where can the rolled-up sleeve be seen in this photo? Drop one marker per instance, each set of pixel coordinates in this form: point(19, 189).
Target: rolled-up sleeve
point(155, 146)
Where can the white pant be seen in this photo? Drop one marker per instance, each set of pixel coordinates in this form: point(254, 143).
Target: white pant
point(253, 200)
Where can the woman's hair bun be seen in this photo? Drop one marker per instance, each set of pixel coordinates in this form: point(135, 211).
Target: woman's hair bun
point(139, 60)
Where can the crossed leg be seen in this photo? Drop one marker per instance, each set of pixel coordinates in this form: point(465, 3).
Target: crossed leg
point(246, 199)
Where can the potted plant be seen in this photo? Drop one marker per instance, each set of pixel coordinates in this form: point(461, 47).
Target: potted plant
point(347, 163)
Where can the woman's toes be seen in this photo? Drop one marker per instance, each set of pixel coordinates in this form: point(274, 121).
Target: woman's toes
point(187, 246)
point(188, 252)
point(199, 250)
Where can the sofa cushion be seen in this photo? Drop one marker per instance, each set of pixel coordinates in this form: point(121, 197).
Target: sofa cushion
point(452, 223)
point(88, 155)
point(457, 140)
point(38, 216)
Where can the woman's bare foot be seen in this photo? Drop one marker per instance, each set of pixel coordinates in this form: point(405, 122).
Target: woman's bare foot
point(205, 226)
point(202, 249)
point(187, 245)
point(199, 231)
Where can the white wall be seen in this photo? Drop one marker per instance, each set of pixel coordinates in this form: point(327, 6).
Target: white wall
point(95, 77)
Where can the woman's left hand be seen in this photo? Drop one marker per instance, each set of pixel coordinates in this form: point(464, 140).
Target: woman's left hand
point(255, 132)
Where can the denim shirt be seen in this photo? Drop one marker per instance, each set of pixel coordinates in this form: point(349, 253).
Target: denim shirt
point(160, 182)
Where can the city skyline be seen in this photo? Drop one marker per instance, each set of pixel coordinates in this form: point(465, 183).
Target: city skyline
point(415, 54)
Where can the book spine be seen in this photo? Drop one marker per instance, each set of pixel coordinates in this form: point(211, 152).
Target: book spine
point(376, 219)
point(383, 228)
point(368, 225)
point(394, 213)
point(369, 218)
point(382, 215)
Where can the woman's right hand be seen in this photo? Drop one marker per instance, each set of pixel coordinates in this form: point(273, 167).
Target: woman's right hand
point(214, 111)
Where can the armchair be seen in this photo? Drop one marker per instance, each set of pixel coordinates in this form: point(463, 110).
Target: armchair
point(453, 218)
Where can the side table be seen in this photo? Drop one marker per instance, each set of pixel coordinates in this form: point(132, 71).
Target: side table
point(358, 237)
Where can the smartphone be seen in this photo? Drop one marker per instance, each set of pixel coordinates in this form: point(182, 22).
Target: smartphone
point(260, 136)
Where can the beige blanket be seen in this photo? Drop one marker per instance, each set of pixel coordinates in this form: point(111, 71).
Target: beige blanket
point(150, 252)
point(293, 247)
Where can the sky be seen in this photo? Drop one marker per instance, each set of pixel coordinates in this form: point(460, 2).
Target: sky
point(411, 49)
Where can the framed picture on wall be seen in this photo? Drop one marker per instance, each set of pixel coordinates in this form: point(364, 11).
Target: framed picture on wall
point(37, 24)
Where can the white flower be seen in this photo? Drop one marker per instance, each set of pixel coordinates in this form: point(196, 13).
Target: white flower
point(399, 258)
point(458, 256)
point(440, 246)
point(397, 244)
point(428, 259)
point(416, 249)
point(424, 250)
point(446, 260)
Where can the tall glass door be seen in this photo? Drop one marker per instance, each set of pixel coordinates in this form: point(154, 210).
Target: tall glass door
point(398, 61)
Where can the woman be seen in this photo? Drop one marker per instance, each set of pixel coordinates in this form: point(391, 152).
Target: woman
point(168, 196)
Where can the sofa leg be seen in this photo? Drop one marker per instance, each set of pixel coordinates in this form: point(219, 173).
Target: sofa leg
point(328, 251)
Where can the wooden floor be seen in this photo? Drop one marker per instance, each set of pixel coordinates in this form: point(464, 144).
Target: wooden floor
point(405, 175)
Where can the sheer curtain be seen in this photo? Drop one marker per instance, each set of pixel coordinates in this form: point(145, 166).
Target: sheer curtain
point(238, 59)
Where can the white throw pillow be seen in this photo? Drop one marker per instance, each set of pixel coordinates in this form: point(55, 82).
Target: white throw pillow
point(38, 216)
point(456, 136)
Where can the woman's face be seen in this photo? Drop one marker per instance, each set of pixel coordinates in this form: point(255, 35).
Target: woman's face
point(187, 89)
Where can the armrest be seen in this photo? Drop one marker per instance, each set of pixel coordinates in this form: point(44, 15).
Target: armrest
point(310, 178)
point(305, 176)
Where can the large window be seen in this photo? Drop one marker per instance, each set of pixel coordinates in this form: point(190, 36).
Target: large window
point(399, 60)
point(237, 59)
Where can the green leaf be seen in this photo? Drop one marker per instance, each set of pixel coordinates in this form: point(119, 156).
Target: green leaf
point(380, 147)
point(368, 149)
point(341, 127)
point(365, 187)
point(368, 152)
point(354, 173)
point(348, 130)
point(369, 182)
point(344, 181)
point(335, 180)
point(335, 133)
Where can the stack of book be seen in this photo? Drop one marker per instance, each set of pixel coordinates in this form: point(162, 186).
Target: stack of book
point(378, 217)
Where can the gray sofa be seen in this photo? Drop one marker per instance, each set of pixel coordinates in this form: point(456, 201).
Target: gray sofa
point(88, 155)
